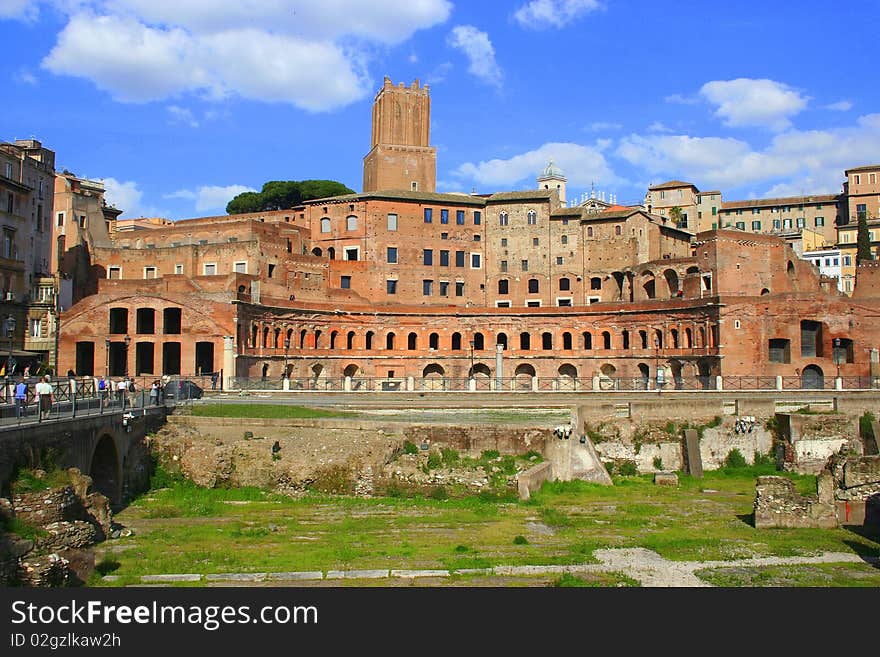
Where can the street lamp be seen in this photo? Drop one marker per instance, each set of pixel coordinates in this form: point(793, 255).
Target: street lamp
point(127, 343)
point(286, 347)
point(9, 330)
point(107, 355)
point(837, 355)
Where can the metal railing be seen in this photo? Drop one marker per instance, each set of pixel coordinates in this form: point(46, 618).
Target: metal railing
point(523, 383)
point(80, 397)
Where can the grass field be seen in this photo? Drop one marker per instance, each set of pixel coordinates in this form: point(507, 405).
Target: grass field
point(263, 411)
point(187, 529)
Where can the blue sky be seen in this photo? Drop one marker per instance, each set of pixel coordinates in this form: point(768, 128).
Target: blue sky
point(180, 104)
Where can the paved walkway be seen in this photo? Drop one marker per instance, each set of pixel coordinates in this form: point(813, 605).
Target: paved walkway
point(644, 566)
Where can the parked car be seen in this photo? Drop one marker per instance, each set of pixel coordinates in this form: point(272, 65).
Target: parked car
point(182, 389)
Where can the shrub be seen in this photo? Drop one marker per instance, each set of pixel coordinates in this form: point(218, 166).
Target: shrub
point(764, 459)
point(716, 422)
point(669, 428)
point(462, 549)
point(532, 454)
point(490, 454)
point(438, 493)
point(435, 460)
point(865, 430)
point(627, 468)
point(410, 447)
point(450, 456)
point(520, 540)
point(735, 459)
point(658, 463)
point(333, 479)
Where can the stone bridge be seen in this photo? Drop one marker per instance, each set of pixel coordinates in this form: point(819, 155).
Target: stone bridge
point(108, 448)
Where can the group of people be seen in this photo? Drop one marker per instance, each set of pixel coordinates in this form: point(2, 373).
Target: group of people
point(44, 394)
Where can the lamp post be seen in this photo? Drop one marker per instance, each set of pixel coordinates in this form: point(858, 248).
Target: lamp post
point(9, 330)
point(286, 348)
point(107, 356)
point(127, 343)
point(471, 373)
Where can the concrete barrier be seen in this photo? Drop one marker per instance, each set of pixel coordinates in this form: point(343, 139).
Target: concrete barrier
point(533, 478)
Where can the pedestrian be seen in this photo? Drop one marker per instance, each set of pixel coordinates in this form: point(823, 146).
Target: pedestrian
point(214, 378)
point(120, 391)
point(154, 394)
point(132, 391)
point(27, 372)
point(44, 394)
point(160, 384)
point(21, 399)
point(102, 391)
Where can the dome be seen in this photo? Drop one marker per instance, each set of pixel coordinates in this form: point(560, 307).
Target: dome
point(552, 171)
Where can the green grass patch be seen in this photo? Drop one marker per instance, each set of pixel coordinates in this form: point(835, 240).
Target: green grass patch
point(807, 575)
point(262, 411)
point(26, 480)
point(594, 580)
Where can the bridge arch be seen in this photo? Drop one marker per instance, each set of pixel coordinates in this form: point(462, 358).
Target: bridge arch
point(105, 469)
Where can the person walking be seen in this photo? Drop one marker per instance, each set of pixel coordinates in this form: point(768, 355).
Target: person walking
point(121, 387)
point(215, 376)
point(102, 390)
point(45, 396)
point(21, 399)
point(154, 394)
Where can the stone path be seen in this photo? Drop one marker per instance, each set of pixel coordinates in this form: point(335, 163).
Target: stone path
point(645, 566)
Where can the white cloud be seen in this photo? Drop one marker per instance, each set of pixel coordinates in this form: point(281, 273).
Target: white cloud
point(678, 99)
point(23, 9)
point(539, 14)
point(478, 49)
point(748, 102)
point(124, 195)
point(840, 106)
point(268, 50)
point(580, 164)
point(659, 126)
point(794, 161)
point(182, 115)
point(24, 76)
point(211, 197)
point(600, 126)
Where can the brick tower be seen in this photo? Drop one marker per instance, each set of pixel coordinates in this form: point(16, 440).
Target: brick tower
point(400, 157)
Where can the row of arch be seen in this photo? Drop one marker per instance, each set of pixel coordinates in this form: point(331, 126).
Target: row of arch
point(303, 339)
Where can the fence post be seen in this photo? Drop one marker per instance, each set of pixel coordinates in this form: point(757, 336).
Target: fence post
point(778, 382)
point(719, 385)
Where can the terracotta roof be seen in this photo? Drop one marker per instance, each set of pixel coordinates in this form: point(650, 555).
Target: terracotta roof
point(404, 195)
point(711, 191)
point(528, 194)
point(868, 167)
point(672, 184)
point(785, 200)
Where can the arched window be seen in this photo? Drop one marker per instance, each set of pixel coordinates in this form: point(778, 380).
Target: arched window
point(688, 338)
point(595, 283)
point(674, 335)
point(503, 286)
point(411, 340)
point(625, 336)
point(503, 219)
point(606, 340)
point(501, 339)
point(368, 343)
point(566, 341)
point(532, 217)
point(525, 341)
point(317, 338)
point(533, 285)
point(266, 337)
point(389, 341)
point(546, 341)
point(433, 341)
point(351, 222)
point(643, 336)
point(333, 337)
point(588, 340)
point(456, 342)
point(617, 230)
point(302, 339)
point(325, 224)
point(564, 284)
point(589, 231)
point(565, 239)
point(349, 340)
point(479, 342)
point(331, 253)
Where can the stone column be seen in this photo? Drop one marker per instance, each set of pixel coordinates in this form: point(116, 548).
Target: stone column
point(779, 383)
point(499, 371)
point(718, 383)
point(535, 383)
point(346, 384)
point(410, 383)
point(229, 359)
point(596, 382)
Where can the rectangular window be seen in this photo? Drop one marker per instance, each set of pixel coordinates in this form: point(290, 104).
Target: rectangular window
point(477, 237)
point(351, 222)
point(559, 260)
point(536, 241)
point(524, 265)
point(459, 217)
point(786, 223)
point(178, 269)
point(714, 210)
point(459, 258)
point(428, 257)
point(776, 224)
point(427, 288)
point(429, 215)
point(533, 304)
point(756, 211)
point(210, 269)
point(10, 202)
point(836, 262)
point(391, 286)
point(114, 272)
point(739, 212)
point(756, 225)
point(811, 339)
point(444, 258)
point(240, 268)
point(476, 260)
point(149, 272)
point(780, 351)
point(819, 221)
point(872, 178)
point(444, 288)
point(60, 219)
point(444, 216)
point(845, 238)
point(502, 304)
point(800, 222)
point(861, 211)
point(741, 225)
point(392, 222)
point(847, 261)
point(391, 256)
point(478, 217)
point(352, 253)
point(504, 265)
point(503, 242)
point(444, 236)
point(36, 328)
point(459, 288)
point(345, 282)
